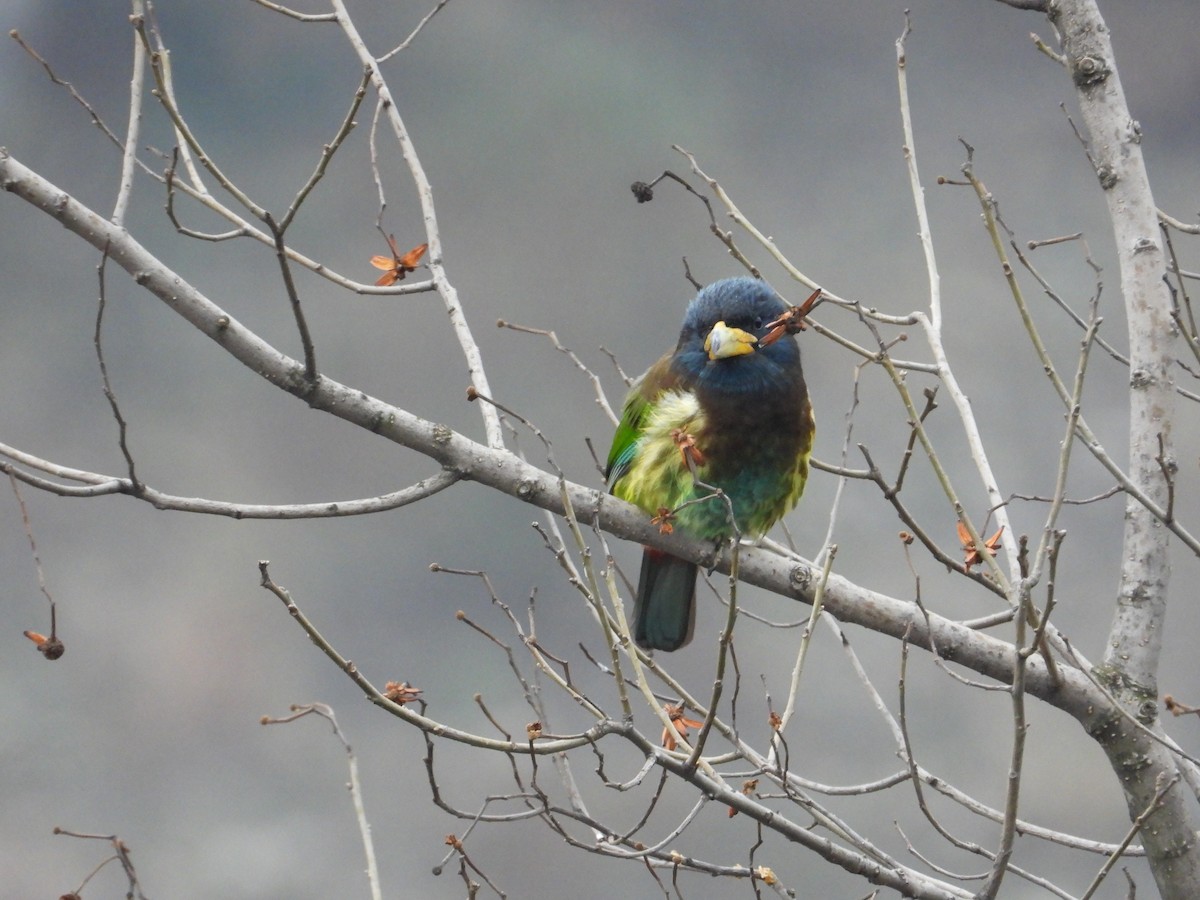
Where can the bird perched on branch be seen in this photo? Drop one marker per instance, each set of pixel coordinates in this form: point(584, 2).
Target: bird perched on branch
point(727, 409)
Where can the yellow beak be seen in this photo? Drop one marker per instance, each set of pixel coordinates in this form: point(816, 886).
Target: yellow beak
point(723, 342)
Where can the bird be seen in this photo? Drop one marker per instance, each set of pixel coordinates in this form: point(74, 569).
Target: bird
point(727, 409)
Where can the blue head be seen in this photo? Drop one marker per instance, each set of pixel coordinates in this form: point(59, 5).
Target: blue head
point(745, 305)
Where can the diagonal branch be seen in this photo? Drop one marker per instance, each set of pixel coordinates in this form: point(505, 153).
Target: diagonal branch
point(788, 576)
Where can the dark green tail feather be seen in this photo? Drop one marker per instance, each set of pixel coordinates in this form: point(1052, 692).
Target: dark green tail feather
point(664, 612)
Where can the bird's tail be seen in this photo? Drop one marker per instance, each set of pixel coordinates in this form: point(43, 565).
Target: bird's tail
point(664, 613)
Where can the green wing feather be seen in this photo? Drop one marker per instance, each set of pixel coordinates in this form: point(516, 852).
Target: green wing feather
point(625, 440)
point(638, 405)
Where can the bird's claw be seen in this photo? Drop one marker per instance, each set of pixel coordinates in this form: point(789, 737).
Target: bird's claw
point(714, 557)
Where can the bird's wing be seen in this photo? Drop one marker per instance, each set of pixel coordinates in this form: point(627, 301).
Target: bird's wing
point(638, 403)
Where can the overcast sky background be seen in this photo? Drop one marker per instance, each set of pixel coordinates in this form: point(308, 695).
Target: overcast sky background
point(531, 120)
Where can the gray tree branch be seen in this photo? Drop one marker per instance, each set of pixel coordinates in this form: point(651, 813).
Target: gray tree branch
point(501, 470)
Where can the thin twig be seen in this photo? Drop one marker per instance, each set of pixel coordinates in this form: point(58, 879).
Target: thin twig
point(356, 795)
point(298, 16)
point(75, 95)
point(121, 854)
point(403, 45)
point(109, 393)
point(289, 284)
point(50, 646)
point(806, 638)
point(1145, 814)
point(601, 398)
point(327, 152)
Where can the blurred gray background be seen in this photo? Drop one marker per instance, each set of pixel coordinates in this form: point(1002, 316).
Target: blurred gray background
point(531, 120)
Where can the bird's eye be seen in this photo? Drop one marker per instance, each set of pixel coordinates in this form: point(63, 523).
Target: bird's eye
point(758, 322)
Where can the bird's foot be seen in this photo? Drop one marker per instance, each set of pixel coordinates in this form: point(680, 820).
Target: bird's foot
point(714, 557)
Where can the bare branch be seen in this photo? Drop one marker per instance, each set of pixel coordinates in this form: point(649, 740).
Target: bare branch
point(404, 45)
point(75, 95)
point(97, 485)
point(109, 393)
point(356, 795)
point(601, 399)
point(121, 854)
point(327, 153)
